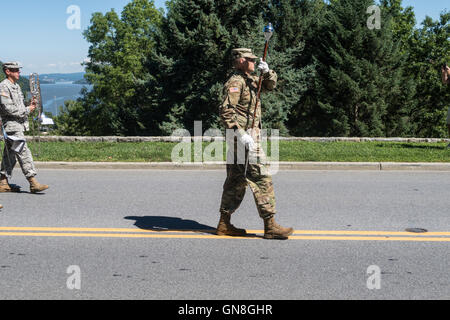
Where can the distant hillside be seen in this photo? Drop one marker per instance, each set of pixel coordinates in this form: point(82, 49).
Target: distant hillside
point(82, 81)
point(61, 77)
point(23, 81)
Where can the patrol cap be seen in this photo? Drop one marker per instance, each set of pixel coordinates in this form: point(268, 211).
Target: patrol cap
point(12, 65)
point(243, 53)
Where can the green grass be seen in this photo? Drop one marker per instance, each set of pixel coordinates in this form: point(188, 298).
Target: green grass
point(364, 152)
point(103, 151)
point(289, 151)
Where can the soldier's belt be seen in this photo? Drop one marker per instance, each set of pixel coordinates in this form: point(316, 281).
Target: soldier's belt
point(14, 119)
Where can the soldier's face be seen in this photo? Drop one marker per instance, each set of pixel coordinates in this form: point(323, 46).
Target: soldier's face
point(13, 74)
point(249, 65)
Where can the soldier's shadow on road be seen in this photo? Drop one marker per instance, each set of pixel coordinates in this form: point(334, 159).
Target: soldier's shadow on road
point(159, 223)
point(168, 224)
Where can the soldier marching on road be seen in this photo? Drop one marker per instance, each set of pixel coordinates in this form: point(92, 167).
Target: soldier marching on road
point(236, 112)
point(14, 115)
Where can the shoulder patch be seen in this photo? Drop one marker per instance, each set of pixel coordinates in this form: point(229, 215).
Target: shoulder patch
point(234, 89)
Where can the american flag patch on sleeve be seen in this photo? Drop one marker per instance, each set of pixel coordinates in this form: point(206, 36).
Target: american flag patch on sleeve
point(234, 89)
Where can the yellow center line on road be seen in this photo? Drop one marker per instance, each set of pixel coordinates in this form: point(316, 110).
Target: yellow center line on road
point(210, 231)
point(203, 236)
point(416, 239)
point(137, 233)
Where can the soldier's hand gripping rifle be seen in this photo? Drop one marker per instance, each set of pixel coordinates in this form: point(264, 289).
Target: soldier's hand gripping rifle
point(35, 88)
point(268, 32)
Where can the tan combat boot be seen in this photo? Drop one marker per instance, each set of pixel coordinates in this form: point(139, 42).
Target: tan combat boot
point(6, 187)
point(225, 228)
point(274, 231)
point(35, 186)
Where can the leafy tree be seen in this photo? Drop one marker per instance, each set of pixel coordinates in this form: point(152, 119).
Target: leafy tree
point(71, 120)
point(119, 47)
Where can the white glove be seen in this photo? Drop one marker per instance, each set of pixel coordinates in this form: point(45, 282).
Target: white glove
point(248, 141)
point(263, 66)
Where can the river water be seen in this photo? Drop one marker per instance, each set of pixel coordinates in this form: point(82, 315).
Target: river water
point(54, 95)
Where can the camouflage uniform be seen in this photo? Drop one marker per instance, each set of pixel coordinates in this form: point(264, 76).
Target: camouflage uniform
point(236, 112)
point(14, 116)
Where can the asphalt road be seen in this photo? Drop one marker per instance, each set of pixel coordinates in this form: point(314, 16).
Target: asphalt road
point(119, 234)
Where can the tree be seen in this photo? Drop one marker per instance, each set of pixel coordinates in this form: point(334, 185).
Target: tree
point(429, 49)
point(71, 120)
point(186, 72)
point(153, 73)
point(403, 22)
point(358, 76)
point(192, 62)
point(119, 47)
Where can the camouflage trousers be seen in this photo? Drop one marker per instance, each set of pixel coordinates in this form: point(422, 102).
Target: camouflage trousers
point(257, 177)
point(236, 184)
point(25, 158)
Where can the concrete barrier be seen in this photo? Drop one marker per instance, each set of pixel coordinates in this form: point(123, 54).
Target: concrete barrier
point(282, 166)
point(209, 139)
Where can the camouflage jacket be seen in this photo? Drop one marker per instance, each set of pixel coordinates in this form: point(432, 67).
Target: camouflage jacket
point(13, 112)
point(240, 95)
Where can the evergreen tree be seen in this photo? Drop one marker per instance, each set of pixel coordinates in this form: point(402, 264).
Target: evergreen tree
point(298, 24)
point(403, 22)
point(186, 74)
point(358, 76)
point(153, 73)
point(429, 49)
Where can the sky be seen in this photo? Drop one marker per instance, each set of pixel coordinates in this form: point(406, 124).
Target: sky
point(36, 33)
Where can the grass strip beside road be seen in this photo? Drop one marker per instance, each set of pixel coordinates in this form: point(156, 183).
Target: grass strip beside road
point(290, 151)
